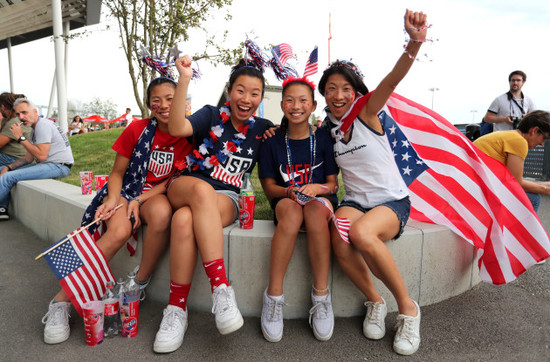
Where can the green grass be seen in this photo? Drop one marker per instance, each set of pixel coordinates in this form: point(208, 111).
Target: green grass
point(92, 152)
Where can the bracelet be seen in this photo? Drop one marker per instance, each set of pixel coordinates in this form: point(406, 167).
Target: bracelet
point(288, 190)
point(9, 168)
point(138, 200)
point(319, 291)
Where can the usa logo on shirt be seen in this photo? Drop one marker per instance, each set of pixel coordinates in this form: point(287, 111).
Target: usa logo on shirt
point(161, 163)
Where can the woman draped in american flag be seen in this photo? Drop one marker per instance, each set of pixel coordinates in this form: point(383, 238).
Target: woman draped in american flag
point(299, 159)
point(145, 156)
point(206, 196)
point(376, 201)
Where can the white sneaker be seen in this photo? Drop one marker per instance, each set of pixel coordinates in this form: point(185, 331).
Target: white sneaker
point(228, 316)
point(272, 318)
point(321, 317)
point(374, 325)
point(57, 328)
point(172, 329)
point(142, 286)
point(407, 338)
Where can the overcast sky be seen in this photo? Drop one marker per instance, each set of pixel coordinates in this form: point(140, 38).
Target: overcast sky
point(478, 43)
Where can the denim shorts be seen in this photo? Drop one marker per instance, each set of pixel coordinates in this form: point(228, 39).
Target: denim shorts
point(402, 209)
point(234, 198)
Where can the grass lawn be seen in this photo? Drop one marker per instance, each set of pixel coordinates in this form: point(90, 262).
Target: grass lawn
point(92, 152)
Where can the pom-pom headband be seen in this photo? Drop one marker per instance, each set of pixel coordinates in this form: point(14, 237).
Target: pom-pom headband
point(165, 69)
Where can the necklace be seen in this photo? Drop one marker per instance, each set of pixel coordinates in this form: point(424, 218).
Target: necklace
point(312, 150)
point(196, 159)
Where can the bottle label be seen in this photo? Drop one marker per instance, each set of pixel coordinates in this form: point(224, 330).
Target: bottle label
point(129, 313)
point(111, 309)
point(246, 211)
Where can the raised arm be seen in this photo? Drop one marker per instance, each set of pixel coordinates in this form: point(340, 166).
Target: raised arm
point(178, 124)
point(415, 25)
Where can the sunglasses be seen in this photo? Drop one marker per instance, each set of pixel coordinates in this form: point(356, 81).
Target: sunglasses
point(544, 135)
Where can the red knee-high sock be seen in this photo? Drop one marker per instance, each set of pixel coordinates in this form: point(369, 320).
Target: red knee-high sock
point(215, 270)
point(179, 294)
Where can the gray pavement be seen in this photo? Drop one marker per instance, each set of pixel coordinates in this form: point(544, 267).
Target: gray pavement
point(487, 323)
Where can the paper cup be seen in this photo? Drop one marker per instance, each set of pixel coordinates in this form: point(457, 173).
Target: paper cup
point(93, 322)
point(86, 180)
point(100, 181)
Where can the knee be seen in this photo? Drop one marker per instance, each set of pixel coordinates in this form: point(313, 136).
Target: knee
point(182, 222)
point(159, 217)
point(289, 215)
point(362, 238)
point(119, 233)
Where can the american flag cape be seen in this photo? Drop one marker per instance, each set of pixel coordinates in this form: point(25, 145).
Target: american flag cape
point(81, 268)
point(342, 224)
point(453, 183)
point(132, 183)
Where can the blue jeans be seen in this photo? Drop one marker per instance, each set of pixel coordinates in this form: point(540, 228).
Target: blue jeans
point(35, 171)
point(6, 159)
point(535, 200)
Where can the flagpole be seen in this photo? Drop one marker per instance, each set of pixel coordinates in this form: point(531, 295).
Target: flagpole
point(329, 35)
point(81, 229)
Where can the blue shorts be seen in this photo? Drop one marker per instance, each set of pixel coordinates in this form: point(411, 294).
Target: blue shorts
point(402, 209)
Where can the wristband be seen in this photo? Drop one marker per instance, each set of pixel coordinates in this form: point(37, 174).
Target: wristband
point(287, 191)
point(9, 168)
point(138, 200)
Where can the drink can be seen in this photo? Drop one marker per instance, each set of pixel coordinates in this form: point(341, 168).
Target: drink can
point(247, 203)
point(86, 180)
point(129, 314)
point(100, 181)
point(93, 322)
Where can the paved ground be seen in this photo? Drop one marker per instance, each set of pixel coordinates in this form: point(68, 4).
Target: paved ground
point(487, 323)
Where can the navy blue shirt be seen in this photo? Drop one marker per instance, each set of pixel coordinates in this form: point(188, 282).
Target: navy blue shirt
point(228, 175)
point(274, 160)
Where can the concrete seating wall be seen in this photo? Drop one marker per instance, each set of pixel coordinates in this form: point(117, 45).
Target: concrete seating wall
point(434, 262)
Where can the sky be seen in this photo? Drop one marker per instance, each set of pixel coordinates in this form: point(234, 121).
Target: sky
point(476, 44)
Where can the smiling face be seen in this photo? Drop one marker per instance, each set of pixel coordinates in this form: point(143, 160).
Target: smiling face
point(339, 95)
point(160, 101)
point(297, 103)
point(245, 96)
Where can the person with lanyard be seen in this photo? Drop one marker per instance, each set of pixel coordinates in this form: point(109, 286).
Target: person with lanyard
point(145, 156)
point(509, 108)
point(376, 201)
point(299, 159)
point(206, 195)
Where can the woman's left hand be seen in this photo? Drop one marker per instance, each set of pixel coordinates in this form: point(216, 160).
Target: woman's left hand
point(310, 189)
point(133, 210)
point(416, 25)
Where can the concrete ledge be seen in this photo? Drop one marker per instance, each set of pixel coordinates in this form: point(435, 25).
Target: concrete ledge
point(434, 262)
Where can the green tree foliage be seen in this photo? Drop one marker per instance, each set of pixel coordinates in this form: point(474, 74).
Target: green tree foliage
point(159, 25)
point(104, 108)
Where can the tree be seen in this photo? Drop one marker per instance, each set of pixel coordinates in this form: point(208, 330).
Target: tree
point(159, 25)
point(107, 109)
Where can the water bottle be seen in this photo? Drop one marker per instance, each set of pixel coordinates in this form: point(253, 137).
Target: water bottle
point(247, 204)
point(117, 290)
point(111, 321)
point(129, 306)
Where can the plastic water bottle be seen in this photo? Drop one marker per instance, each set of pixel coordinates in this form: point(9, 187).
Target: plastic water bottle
point(117, 290)
point(247, 204)
point(129, 306)
point(111, 322)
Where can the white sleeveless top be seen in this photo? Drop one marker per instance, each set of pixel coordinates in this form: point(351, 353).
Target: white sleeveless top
point(369, 171)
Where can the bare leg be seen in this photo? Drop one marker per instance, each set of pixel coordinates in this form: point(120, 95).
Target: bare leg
point(368, 235)
point(183, 250)
point(317, 217)
point(289, 216)
point(350, 260)
point(211, 212)
point(157, 214)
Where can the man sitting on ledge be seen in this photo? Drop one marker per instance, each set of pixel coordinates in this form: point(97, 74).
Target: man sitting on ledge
point(50, 147)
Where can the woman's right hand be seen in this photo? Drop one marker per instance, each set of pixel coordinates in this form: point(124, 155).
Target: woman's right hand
point(106, 210)
point(183, 65)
